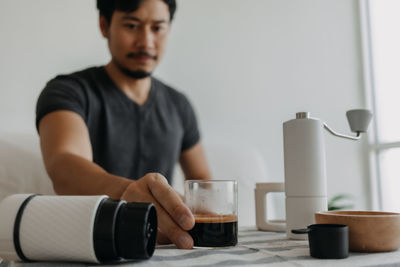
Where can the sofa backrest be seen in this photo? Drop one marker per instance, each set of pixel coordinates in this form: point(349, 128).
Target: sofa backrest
point(21, 166)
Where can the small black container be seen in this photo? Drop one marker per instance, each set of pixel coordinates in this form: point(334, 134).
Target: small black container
point(327, 241)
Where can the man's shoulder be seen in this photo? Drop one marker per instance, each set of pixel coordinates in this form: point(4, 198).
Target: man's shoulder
point(81, 82)
point(80, 75)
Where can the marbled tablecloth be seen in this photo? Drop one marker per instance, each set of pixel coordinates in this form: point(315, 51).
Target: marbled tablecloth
point(255, 248)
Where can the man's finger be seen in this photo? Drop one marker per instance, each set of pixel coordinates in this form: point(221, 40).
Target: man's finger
point(162, 239)
point(142, 191)
point(174, 233)
point(171, 202)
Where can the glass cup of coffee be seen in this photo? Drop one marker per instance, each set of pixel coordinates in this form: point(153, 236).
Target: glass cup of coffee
point(214, 206)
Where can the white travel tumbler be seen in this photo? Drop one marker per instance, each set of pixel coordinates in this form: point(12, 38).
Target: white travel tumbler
point(305, 171)
point(75, 228)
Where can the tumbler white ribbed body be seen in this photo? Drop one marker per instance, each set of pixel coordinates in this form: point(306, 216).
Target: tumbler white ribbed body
point(59, 228)
point(8, 211)
point(305, 172)
point(56, 228)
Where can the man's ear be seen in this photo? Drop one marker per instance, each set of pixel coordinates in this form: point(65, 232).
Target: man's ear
point(103, 26)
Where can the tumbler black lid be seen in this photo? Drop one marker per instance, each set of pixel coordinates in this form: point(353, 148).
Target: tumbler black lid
point(104, 230)
point(136, 230)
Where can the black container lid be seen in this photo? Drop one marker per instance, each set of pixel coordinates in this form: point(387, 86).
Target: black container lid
point(136, 230)
point(104, 230)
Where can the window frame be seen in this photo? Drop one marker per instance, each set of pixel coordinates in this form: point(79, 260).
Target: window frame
point(375, 147)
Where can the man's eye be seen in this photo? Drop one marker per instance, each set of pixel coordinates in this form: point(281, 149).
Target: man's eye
point(157, 28)
point(130, 26)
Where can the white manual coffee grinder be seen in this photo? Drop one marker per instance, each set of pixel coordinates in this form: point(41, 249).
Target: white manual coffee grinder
point(305, 168)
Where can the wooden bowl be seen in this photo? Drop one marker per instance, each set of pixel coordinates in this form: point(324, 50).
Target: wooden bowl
point(369, 231)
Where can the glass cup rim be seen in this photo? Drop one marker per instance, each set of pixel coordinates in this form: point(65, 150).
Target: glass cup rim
point(210, 181)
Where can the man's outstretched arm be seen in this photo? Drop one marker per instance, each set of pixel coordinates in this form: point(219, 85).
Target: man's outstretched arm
point(67, 154)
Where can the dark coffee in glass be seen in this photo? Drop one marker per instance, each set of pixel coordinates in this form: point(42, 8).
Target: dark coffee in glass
point(215, 231)
point(214, 206)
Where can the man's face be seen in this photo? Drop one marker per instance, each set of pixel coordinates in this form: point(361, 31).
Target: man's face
point(137, 40)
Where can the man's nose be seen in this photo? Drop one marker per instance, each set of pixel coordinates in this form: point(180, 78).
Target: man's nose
point(146, 38)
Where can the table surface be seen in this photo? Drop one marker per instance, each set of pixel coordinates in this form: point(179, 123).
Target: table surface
point(255, 248)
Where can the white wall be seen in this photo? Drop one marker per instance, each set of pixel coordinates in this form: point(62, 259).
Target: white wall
point(247, 66)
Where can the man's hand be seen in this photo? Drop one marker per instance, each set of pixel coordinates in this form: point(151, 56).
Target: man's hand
point(174, 217)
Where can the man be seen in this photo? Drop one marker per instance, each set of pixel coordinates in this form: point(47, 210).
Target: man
point(103, 128)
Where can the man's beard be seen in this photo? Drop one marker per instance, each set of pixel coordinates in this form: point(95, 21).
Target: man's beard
point(135, 74)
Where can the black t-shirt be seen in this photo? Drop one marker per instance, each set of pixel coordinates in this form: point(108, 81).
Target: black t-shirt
point(127, 139)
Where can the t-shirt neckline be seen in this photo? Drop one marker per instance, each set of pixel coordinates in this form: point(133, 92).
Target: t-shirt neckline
point(114, 86)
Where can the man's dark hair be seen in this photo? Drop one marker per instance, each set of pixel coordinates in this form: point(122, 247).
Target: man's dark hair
point(107, 7)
